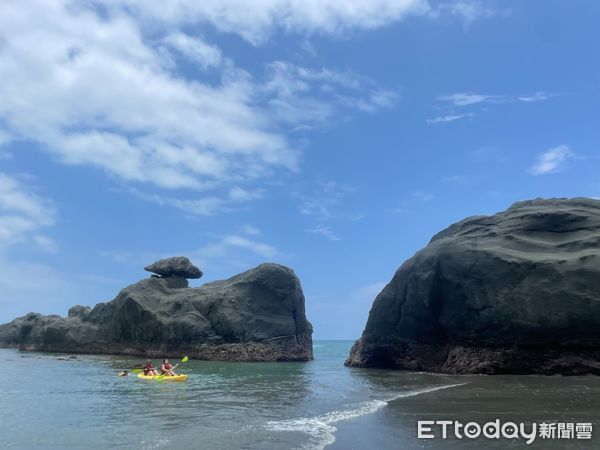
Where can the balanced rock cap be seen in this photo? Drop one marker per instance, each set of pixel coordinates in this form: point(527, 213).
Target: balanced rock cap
point(176, 266)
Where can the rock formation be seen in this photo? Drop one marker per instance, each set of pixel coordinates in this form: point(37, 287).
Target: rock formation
point(516, 292)
point(254, 316)
point(175, 270)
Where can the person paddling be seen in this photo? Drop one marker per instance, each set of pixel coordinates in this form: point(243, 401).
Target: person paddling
point(167, 368)
point(150, 370)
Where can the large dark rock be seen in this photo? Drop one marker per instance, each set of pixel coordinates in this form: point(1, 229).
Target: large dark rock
point(516, 292)
point(176, 266)
point(255, 316)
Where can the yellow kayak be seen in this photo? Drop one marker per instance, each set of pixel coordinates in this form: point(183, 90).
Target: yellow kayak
point(167, 378)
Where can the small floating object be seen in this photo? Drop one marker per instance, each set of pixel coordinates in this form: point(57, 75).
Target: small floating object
point(122, 373)
point(163, 378)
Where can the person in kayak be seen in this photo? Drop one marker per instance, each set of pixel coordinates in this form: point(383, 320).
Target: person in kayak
point(167, 368)
point(150, 370)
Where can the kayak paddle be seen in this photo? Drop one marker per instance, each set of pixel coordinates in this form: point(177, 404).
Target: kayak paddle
point(161, 377)
point(123, 373)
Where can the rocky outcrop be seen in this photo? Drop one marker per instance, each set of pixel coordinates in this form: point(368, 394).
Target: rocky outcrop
point(516, 292)
point(254, 316)
point(175, 270)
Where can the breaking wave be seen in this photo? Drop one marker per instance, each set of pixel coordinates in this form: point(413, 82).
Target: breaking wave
point(321, 429)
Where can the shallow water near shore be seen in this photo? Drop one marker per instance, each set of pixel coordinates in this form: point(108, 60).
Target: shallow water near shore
point(52, 403)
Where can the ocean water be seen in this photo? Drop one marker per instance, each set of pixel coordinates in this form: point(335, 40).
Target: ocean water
point(52, 403)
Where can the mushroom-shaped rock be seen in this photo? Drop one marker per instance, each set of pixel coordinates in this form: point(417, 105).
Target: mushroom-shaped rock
point(176, 266)
point(258, 315)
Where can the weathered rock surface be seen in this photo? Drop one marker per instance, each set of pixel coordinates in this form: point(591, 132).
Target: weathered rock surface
point(254, 316)
point(176, 266)
point(516, 292)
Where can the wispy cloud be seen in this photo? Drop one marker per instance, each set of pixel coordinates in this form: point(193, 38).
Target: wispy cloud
point(23, 213)
point(423, 196)
point(536, 97)
point(448, 118)
point(325, 231)
point(237, 250)
point(468, 11)
point(257, 21)
point(199, 204)
point(552, 160)
point(307, 98)
point(234, 251)
point(250, 230)
point(205, 55)
point(120, 256)
point(470, 101)
point(45, 243)
point(257, 247)
point(149, 122)
point(466, 99)
point(461, 99)
point(325, 200)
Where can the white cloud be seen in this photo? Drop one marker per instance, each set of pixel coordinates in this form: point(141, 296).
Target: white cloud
point(325, 231)
point(424, 196)
point(466, 99)
point(22, 212)
point(119, 256)
point(260, 248)
point(90, 100)
point(250, 230)
point(447, 118)
point(552, 160)
point(306, 98)
point(234, 250)
point(237, 193)
point(256, 21)
point(536, 97)
point(462, 99)
point(72, 87)
point(206, 55)
point(45, 243)
point(324, 201)
point(220, 254)
point(468, 10)
point(198, 205)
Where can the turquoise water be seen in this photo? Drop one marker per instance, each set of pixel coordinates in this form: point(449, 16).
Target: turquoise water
point(51, 403)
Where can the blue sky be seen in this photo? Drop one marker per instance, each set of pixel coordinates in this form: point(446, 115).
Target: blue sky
point(333, 137)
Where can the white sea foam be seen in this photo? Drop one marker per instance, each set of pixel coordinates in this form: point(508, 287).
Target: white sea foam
point(154, 444)
point(321, 429)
